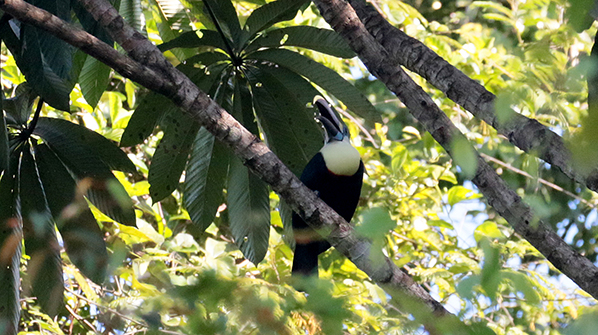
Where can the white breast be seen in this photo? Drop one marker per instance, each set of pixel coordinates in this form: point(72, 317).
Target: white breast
point(341, 157)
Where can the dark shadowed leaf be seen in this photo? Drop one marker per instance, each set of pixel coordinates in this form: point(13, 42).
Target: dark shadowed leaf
point(288, 128)
point(324, 77)
point(207, 170)
point(194, 39)
point(94, 79)
point(90, 24)
point(20, 107)
point(249, 211)
point(145, 118)
point(47, 66)
point(171, 154)
point(63, 136)
point(44, 269)
point(226, 17)
point(10, 256)
point(80, 232)
point(269, 14)
point(91, 157)
point(322, 40)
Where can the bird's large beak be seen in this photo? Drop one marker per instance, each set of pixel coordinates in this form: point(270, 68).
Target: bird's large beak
point(335, 130)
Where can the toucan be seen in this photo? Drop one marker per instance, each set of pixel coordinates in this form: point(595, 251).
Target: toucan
point(335, 173)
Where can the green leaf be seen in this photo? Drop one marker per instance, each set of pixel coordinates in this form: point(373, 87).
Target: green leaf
point(90, 24)
point(206, 175)
point(269, 14)
point(491, 274)
point(322, 40)
point(144, 119)
point(170, 16)
point(290, 130)
point(249, 211)
point(64, 136)
point(47, 64)
point(44, 269)
point(20, 106)
point(465, 288)
point(488, 229)
point(400, 155)
point(132, 12)
point(94, 79)
point(195, 39)
point(83, 239)
point(226, 17)
point(322, 76)
point(10, 242)
point(91, 157)
point(524, 284)
point(171, 154)
point(375, 223)
point(460, 193)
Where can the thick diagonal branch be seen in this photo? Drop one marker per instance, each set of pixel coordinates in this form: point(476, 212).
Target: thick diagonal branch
point(507, 203)
point(153, 71)
point(527, 134)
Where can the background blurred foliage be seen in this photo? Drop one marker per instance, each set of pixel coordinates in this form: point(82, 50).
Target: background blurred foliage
point(415, 204)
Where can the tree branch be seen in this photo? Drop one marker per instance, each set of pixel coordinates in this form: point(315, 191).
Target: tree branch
point(527, 134)
point(153, 71)
point(507, 203)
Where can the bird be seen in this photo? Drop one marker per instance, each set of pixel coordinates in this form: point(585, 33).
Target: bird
point(335, 174)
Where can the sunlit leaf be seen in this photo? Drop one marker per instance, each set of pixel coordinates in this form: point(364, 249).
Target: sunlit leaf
point(94, 79)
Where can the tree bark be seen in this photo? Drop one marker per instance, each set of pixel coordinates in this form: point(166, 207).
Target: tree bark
point(527, 134)
point(507, 203)
point(150, 69)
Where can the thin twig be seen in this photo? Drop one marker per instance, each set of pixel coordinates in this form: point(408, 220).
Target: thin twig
point(540, 180)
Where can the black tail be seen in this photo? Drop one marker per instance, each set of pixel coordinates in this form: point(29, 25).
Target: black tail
point(306, 257)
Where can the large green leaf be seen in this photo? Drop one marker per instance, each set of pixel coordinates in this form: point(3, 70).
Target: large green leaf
point(90, 24)
point(153, 106)
point(94, 79)
point(226, 17)
point(207, 170)
point(80, 232)
point(288, 128)
point(249, 211)
point(195, 39)
point(322, 40)
point(19, 107)
point(63, 136)
point(91, 157)
point(248, 196)
point(269, 14)
point(10, 244)
point(144, 119)
point(44, 269)
point(132, 12)
point(322, 76)
point(171, 154)
point(47, 63)
point(173, 150)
